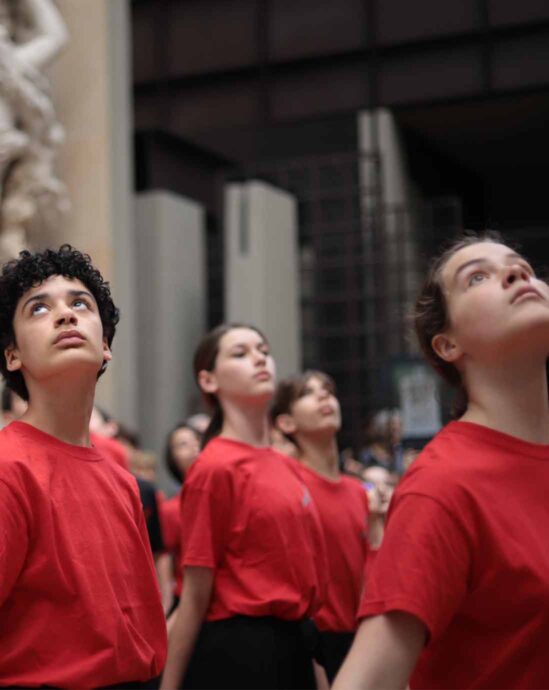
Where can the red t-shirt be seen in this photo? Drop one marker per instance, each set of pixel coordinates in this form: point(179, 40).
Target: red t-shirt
point(112, 448)
point(171, 534)
point(343, 508)
point(466, 551)
point(79, 601)
point(246, 513)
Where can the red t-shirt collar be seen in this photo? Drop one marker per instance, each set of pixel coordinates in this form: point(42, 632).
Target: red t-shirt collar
point(484, 434)
point(53, 443)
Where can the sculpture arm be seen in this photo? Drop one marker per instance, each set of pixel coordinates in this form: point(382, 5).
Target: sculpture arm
point(51, 34)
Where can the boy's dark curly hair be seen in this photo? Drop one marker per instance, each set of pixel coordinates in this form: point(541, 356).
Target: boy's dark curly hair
point(30, 270)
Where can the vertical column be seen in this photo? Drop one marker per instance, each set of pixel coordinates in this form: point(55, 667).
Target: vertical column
point(91, 86)
point(393, 221)
point(261, 267)
point(171, 313)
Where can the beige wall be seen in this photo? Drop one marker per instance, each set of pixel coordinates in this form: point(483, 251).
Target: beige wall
point(171, 247)
point(91, 90)
point(261, 267)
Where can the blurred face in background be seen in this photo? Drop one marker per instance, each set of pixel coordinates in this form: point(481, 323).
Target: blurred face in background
point(381, 485)
point(185, 447)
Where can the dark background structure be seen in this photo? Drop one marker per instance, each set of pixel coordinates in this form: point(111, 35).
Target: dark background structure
point(228, 89)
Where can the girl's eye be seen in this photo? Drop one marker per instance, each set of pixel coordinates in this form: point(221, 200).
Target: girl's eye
point(476, 278)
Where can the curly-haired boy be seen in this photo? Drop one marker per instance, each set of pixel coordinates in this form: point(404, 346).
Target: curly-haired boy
point(79, 604)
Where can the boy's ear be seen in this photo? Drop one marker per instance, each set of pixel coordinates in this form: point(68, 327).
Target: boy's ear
point(446, 347)
point(13, 362)
point(107, 354)
point(286, 424)
point(207, 381)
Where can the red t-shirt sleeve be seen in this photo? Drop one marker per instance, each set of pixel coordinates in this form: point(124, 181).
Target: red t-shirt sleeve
point(422, 567)
point(206, 509)
point(13, 540)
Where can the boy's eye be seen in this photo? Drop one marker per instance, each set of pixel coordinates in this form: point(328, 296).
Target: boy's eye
point(37, 308)
point(78, 303)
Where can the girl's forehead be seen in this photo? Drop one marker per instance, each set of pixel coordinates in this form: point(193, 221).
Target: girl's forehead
point(479, 251)
point(240, 336)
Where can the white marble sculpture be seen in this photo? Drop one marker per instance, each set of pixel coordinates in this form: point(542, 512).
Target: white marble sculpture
point(32, 33)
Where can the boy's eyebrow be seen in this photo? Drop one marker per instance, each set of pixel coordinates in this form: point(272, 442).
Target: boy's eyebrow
point(46, 295)
point(483, 260)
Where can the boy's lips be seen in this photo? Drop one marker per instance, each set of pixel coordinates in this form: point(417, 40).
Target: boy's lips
point(69, 337)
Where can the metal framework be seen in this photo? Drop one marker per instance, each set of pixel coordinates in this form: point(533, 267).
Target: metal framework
point(360, 265)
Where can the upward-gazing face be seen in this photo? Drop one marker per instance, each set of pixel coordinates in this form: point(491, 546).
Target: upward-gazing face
point(497, 307)
point(244, 368)
point(57, 330)
point(316, 411)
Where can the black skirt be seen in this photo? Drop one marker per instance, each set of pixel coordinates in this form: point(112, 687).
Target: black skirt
point(245, 652)
point(331, 649)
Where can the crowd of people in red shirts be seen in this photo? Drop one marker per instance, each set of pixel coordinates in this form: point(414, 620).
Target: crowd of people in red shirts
point(274, 565)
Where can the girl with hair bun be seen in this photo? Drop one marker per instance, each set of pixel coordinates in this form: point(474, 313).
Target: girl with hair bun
point(252, 547)
point(459, 594)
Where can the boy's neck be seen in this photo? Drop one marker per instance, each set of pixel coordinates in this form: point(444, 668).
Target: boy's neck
point(62, 409)
point(320, 453)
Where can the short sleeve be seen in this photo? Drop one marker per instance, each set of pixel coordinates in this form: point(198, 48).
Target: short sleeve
point(169, 521)
point(14, 540)
point(422, 567)
point(206, 512)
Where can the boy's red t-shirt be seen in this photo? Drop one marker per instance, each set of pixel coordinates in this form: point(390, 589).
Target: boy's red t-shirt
point(343, 508)
point(466, 551)
point(246, 513)
point(171, 535)
point(79, 601)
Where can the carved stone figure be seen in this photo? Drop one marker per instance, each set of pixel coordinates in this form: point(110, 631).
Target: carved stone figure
point(32, 33)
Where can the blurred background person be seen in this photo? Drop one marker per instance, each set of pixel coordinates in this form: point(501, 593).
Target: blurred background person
point(13, 406)
point(383, 441)
point(143, 464)
point(182, 449)
point(281, 443)
point(199, 422)
point(103, 429)
point(380, 485)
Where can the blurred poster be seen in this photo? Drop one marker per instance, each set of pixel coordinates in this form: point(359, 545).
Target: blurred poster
point(419, 404)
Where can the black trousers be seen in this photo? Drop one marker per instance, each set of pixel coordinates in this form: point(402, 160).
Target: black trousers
point(331, 649)
point(243, 653)
point(137, 685)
